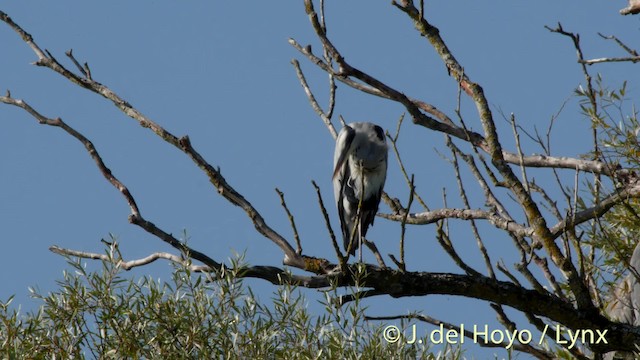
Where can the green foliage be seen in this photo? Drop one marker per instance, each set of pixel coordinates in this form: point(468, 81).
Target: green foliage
point(616, 127)
point(103, 315)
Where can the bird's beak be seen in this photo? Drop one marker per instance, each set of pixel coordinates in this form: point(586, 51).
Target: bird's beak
point(341, 160)
point(343, 144)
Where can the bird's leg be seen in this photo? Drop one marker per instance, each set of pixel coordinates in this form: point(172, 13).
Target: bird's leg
point(355, 231)
point(360, 239)
point(352, 239)
point(359, 212)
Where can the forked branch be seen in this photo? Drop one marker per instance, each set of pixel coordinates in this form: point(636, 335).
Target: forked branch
point(45, 59)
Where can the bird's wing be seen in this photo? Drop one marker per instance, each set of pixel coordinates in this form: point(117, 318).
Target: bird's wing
point(341, 175)
point(343, 148)
point(341, 164)
point(378, 195)
point(347, 207)
point(370, 209)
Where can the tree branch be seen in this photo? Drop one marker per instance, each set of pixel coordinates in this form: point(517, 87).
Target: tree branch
point(494, 148)
point(135, 217)
point(446, 125)
point(128, 265)
point(47, 60)
point(430, 217)
point(385, 281)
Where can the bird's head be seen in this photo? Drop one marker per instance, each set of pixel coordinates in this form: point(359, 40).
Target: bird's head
point(365, 144)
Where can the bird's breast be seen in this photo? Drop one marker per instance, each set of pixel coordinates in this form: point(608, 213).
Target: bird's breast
point(371, 179)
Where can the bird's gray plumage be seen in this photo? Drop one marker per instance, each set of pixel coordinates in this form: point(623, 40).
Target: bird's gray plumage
point(360, 160)
point(625, 303)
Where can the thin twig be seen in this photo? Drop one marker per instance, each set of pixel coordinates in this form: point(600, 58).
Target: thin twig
point(620, 43)
point(292, 221)
point(447, 245)
point(46, 59)
point(632, 59)
point(128, 265)
point(403, 226)
point(135, 217)
point(448, 127)
point(342, 259)
point(69, 54)
point(326, 118)
point(430, 217)
point(523, 169)
point(374, 249)
point(394, 146)
point(474, 228)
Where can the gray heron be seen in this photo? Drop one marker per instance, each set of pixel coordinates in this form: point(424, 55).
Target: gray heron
point(625, 303)
point(359, 173)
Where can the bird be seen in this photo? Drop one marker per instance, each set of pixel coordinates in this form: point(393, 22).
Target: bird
point(624, 306)
point(625, 302)
point(359, 174)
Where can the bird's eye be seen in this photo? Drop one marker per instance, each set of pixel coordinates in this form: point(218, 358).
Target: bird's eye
point(379, 132)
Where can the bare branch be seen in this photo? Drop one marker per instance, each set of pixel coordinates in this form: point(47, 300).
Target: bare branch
point(326, 117)
point(374, 249)
point(128, 265)
point(394, 145)
point(633, 59)
point(401, 264)
point(630, 191)
point(620, 43)
point(26, 37)
point(430, 217)
point(135, 217)
point(494, 148)
point(523, 169)
point(184, 144)
point(447, 245)
point(446, 126)
point(465, 200)
point(271, 274)
point(515, 233)
point(342, 259)
point(292, 221)
point(570, 306)
point(82, 69)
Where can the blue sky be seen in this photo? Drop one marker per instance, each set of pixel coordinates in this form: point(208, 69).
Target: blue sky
point(220, 72)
